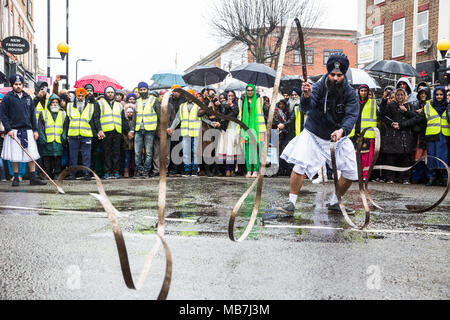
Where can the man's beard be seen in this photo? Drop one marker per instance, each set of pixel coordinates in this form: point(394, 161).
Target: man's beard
point(293, 102)
point(335, 87)
point(144, 95)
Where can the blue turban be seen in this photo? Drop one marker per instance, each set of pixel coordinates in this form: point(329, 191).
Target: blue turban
point(338, 62)
point(16, 78)
point(131, 95)
point(142, 85)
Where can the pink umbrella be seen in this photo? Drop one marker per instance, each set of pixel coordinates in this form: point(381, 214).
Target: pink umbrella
point(99, 82)
point(5, 90)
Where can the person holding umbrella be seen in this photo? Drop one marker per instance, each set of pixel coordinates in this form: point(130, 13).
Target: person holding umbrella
point(90, 98)
point(251, 113)
point(18, 117)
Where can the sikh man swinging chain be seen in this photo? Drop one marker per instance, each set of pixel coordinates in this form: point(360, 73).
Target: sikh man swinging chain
point(333, 110)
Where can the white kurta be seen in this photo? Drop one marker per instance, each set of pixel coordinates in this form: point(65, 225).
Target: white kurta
point(309, 154)
point(12, 151)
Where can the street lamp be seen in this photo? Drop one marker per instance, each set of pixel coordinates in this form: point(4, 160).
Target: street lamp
point(76, 73)
point(443, 46)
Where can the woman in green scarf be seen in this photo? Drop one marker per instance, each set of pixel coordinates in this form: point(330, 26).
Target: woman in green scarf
point(253, 118)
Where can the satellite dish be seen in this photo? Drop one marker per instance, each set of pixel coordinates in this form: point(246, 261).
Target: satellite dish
point(426, 44)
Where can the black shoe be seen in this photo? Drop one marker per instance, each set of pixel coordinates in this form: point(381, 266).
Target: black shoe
point(87, 177)
point(208, 172)
point(37, 182)
point(154, 174)
point(335, 208)
point(431, 182)
point(70, 177)
point(16, 183)
point(288, 208)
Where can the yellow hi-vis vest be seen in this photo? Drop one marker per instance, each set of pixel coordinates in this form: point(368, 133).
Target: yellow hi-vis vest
point(298, 120)
point(40, 108)
point(368, 119)
point(436, 123)
point(190, 121)
point(261, 121)
point(53, 128)
point(146, 112)
point(79, 123)
point(110, 118)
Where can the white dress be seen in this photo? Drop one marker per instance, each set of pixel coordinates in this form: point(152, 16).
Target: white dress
point(228, 147)
point(309, 154)
point(12, 151)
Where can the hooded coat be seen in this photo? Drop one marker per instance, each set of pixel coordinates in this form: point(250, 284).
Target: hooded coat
point(52, 149)
point(400, 141)
point(412, 96)
point(421, 127)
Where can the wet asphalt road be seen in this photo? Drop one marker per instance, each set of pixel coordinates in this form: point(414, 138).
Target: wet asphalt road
point(55, 254)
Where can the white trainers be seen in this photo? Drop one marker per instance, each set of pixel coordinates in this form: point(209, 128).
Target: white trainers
point(319, 180)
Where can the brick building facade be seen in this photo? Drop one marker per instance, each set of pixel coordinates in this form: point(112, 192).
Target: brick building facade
point(319, 45)
point(391, 23)
point(16, 19)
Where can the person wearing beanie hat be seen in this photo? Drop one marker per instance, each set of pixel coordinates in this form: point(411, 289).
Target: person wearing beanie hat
point(143, 129)
point(18, 118)
point(52, 136)
point(332, 108)
point(367, 118)
point(113, 122)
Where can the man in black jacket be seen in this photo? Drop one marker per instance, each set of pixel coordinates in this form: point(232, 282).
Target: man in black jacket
point(18, 117)
point(333, 109)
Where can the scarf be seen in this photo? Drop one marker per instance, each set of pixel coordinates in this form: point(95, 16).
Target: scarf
point(250, 120)
point(440, 107)
point(363, 101)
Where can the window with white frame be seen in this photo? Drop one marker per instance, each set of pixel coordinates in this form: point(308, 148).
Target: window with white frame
point(378, 42)
point(422, 29)
point(309, 56)
point(398, 38)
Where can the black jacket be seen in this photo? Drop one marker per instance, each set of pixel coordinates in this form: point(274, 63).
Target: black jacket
point(18, 113)
point(399, 141)
point(232, 112)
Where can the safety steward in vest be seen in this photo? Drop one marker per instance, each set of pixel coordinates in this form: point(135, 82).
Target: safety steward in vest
point(191, 124)
point(367, 119)
point(52, 136)
point(251, 113)
point(83, 119)
point(143, 129)
point(113, 123)
point(437, 135)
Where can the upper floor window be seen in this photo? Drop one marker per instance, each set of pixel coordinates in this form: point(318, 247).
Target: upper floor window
point(398, 38)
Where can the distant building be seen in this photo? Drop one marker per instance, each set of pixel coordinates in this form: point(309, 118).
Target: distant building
point(391, 24)
point(16, 19)
point(319, 45)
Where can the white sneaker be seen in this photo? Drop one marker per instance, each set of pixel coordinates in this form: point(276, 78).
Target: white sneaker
point(319, 180)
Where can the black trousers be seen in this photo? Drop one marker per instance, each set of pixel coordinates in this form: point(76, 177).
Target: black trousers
point(397, 160)
point(52, 165)
point(111, 151)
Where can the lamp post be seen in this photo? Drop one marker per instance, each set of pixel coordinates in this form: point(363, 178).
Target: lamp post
point(444, 46)
point(76, 72)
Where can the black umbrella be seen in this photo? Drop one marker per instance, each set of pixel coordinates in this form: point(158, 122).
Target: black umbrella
point(205, 75)
point(288, 83)
point(255, 73)
point(392, 67)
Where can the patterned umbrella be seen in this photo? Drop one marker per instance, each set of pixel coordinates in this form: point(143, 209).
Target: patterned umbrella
point(99, 82)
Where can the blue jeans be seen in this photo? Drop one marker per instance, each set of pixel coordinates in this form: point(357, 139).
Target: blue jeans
point(127, 156)
point(22, 169)
point(189, 147)
point(2, 170)
point(143, 139)
point(82, 145)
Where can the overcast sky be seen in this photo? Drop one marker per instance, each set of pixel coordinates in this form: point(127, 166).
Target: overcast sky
point(131, 40)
